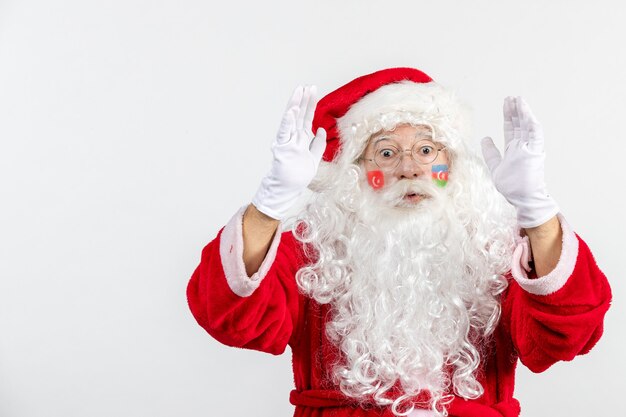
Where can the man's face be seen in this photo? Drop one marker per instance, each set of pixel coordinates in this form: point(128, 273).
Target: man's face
point(406, 153)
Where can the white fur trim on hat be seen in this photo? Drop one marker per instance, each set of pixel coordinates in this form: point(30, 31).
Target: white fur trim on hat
point(406, 102)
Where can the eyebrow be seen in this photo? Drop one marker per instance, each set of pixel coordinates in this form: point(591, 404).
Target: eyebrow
point(391, 137)
point(381, 138)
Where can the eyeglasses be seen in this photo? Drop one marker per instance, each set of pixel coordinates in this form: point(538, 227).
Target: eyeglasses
point(388, 154)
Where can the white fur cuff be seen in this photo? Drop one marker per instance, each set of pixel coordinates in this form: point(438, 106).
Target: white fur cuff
point(231, 253)
point(552, 282)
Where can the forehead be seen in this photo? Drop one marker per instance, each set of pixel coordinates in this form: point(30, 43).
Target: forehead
point(404, 132)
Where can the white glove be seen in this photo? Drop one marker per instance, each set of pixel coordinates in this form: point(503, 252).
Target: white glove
point(297, 154)
point(519, 175)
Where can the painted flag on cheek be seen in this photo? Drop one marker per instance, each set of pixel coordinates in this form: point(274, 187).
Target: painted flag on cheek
point(440, 174)
point(376, 179)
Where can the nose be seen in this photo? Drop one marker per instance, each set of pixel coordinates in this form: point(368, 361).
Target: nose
point(408, 168)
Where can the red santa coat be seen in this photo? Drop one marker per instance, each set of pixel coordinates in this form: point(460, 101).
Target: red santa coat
point(543, 320)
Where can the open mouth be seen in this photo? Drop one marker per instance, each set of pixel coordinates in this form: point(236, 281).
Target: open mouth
point(414, 197)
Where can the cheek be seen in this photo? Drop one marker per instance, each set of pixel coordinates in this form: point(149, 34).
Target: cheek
point(440, 174)
point(376, 179)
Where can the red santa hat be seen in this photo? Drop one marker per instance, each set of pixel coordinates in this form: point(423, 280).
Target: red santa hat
point(381, 101)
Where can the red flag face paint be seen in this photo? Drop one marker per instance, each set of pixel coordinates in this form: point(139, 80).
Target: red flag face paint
point(376, 179)
point(440, 174)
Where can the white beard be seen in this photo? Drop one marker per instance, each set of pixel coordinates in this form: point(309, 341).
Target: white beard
point(412, 289)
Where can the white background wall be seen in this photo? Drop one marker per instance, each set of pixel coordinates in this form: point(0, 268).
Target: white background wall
point(132, 130)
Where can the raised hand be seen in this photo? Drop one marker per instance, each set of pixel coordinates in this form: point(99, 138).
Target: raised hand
point(297, 154)
point(519, 173)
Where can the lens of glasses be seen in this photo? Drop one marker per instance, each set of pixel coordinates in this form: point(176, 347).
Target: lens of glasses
point(388, 154)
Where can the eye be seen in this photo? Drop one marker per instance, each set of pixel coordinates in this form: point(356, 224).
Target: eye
point(387, 152)
point(426, 150)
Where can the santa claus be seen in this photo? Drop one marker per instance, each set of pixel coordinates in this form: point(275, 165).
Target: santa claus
point(416, 276)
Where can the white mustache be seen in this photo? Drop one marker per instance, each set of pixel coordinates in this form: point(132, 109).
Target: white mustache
point(396, 192)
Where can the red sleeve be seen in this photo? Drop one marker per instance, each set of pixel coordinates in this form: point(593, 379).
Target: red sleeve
point(262, 318)
point(546, 328)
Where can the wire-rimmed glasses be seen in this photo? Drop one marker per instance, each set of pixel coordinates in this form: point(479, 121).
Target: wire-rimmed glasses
point(388, 153)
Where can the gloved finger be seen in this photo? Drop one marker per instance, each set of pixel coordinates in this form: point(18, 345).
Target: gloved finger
point(523, 119)
point(508, 122)
point(304, 102)
point(535, 131)
point(318, 144)
point(296, 97)
point(287, 126)
point(491, 154)
point(515, 119)
point(526, 111)
point(310, 108)
point(535, 142)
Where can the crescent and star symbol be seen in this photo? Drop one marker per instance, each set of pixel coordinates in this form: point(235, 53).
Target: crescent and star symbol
point(376, 179)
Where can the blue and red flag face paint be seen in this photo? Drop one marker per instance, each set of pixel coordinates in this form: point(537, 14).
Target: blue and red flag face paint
point(440, 174)
point(376, 179)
